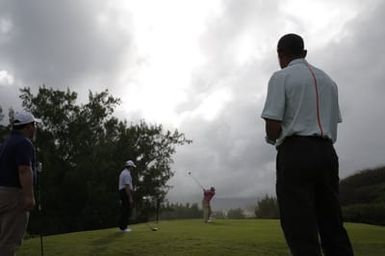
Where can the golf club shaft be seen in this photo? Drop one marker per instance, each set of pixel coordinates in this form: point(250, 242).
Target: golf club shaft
point(196, 180)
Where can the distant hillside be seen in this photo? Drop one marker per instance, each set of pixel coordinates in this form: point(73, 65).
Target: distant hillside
point(362, 196)
point(367, 186)
point(227, 203)
point(221, 203)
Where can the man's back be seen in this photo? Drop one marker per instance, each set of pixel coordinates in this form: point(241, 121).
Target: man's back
point(305, 99)
point(125, 179)
point(208, 195)
point(14, 151)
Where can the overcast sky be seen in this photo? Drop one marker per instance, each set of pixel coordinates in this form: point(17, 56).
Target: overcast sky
point(202, 67)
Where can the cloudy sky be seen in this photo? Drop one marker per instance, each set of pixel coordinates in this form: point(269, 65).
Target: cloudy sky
point(202, 66)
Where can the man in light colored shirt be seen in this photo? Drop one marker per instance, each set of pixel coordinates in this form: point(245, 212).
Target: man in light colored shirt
point(301, 113)
point(126, 196)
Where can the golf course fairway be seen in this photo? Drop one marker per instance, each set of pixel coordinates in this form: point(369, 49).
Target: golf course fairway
point(193, 238)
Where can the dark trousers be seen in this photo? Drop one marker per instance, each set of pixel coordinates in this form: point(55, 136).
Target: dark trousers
point(125, 210)
point(307, 192)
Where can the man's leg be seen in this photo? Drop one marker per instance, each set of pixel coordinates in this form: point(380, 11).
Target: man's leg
point(295, 194)
point(205, 211)
point(129, 213)
point(124, 210)
point(209, 213)
point(298, 221)
point(334, 238)
point(13, 221)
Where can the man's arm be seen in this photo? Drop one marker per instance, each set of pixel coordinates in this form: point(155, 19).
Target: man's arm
point(26, 182)
point(129, 194)
point(273, 130)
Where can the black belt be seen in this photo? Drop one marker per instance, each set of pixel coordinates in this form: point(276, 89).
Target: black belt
point(315, 137)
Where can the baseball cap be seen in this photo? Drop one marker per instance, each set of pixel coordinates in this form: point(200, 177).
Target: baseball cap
point(24, 117)
point(130, 163)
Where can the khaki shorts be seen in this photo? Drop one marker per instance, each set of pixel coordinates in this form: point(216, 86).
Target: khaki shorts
point(13, 220)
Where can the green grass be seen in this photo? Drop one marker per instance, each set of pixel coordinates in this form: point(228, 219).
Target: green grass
point(193, 238)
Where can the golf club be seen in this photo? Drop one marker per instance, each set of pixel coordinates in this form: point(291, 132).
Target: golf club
point(147, 199)
point(152, 228)
point(39, 169)
point(189, 173)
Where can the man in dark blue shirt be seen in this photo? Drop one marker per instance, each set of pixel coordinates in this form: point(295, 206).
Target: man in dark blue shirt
point(17, 159)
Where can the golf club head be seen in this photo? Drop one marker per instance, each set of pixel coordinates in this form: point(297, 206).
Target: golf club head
point(151, 227)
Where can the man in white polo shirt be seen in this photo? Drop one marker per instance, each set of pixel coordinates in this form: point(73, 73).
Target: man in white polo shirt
point(301, 113)
point(126, 196)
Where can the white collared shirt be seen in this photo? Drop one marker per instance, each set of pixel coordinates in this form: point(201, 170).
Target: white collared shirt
point(125, 179)
point(292, 99)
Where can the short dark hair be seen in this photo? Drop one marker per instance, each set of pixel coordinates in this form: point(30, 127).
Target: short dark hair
point(291, 44)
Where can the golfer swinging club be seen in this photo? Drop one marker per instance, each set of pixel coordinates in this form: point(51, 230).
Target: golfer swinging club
point(208, 194)
point(126, 196)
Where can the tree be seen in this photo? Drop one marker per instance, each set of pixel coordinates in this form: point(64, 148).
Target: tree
point(180, 211)
point(4, 129)
point(362, 196)
point(366, 186)
point(219, 215)
point(1, 114)
point(267, 208)
point(84, 147)
point(235, 214)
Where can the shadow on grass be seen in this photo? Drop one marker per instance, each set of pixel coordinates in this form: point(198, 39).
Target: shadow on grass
point(103, 243)
point(215, 223)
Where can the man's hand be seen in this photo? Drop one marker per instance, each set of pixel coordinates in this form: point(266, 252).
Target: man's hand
point(26, 182)
point(131, 201)
point(29, 202)
point(273, 130)
point(129, 194)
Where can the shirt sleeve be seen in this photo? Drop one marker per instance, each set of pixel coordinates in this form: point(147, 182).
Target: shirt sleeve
point(339, 116)
point(275, 100)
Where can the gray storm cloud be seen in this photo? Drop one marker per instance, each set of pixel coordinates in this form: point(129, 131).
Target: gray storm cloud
point(83, 45)
point(60, 43)
point(356, 63)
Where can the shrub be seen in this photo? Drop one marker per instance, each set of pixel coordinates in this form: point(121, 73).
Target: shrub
point(267, 208)
point(235, 214)
point(365, 213)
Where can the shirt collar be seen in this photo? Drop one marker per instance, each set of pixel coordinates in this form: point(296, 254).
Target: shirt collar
point(297, 61)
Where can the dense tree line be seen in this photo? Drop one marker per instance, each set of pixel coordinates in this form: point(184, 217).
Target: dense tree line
point(363, 196)
point(82, 148)
point(235, 214)
point(267, 208)
point(181, 211)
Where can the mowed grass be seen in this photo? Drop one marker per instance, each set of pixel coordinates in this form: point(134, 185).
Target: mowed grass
point(193, 238)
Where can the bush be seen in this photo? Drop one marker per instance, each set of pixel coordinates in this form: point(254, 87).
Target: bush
point(367, 186)
point(235, 214)
point(267, 208)
point(218, 215)
point(365, 213)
